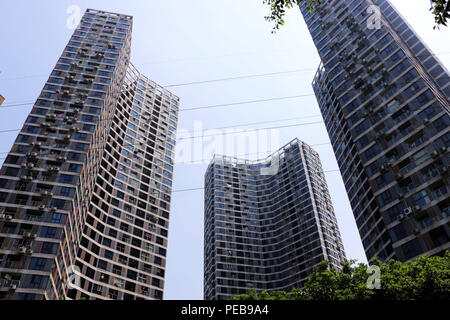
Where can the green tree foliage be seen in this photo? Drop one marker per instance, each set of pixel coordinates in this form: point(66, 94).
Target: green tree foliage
point(439, 8)
point(278, 9)
point(422, 279)
point(441, 11)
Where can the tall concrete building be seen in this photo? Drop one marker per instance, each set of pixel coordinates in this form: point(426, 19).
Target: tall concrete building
point(384, 98)
point(85, 190)
point(267, 223)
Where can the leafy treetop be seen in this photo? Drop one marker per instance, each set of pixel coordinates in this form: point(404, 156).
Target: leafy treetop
point(426, 278)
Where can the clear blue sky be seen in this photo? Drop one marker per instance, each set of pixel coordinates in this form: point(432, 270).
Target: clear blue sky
point(177, 41)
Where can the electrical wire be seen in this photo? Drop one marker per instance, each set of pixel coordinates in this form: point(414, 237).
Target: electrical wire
point(198, 189)
point(336, 91)
point(218, 128)
point(229, 78)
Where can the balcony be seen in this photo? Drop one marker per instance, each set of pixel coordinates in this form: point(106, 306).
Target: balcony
point(9, 285)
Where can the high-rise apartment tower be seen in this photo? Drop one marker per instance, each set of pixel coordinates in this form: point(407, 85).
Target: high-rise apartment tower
point(384, 97)
point(267, 223)
point(85, 190)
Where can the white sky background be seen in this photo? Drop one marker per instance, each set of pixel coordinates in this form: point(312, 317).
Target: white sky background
point(177, 41)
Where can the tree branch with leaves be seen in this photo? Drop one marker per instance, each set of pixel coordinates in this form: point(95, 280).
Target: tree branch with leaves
point(441, 11)
point(439, 8)
point(278, 9)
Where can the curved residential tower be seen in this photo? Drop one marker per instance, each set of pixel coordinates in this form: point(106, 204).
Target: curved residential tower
point(385, 99)
point(267, 223)
point(85, 190)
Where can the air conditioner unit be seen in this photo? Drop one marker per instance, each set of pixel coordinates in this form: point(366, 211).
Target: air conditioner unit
point(46, 194)
point(29, 235)
point(434, 154)
point(8, 217)
point(54, 209)
point(416, 231)
point(401, 216)
point(23, 249)
point(443, 150)
point(408, 211)
point(42, 207)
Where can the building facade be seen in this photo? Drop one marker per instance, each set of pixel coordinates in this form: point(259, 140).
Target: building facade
point(267, 223)
point(85, 190)
point(384, 98)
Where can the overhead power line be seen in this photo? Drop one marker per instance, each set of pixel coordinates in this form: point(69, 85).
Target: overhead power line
point(238, 78)
point(188, 162)
point(244, 102)
point(230, 78)
point(335, 91)
point(217, 128)
point(202, 188)
point(209, 106)
point(228, 133)
point(241, 156)
point(250, 130)
point(17, 105)
point(12, 130)
point(247, 102)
